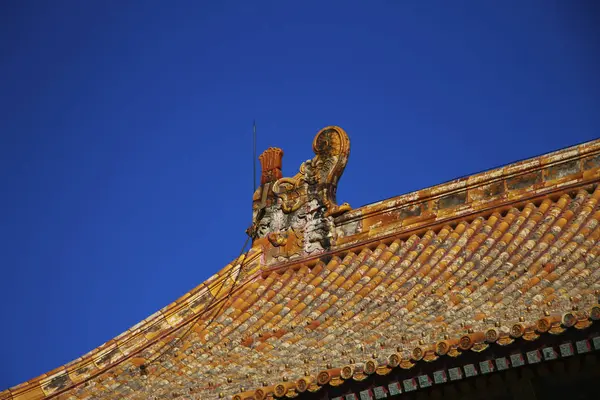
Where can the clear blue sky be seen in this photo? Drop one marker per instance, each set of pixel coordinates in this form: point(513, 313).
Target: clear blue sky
point(125, 147)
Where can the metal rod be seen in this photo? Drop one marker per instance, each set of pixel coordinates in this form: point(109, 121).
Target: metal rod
point(254, 157)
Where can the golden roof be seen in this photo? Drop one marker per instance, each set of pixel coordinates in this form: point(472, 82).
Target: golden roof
point(328, 294)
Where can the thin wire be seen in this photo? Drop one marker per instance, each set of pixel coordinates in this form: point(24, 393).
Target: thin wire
point(254, 157)
point(193, 321)
point(206, 308)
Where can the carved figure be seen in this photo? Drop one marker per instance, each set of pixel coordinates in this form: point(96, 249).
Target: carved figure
point(293, 217)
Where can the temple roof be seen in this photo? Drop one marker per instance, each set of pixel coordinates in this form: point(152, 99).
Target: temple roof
point(328, 294)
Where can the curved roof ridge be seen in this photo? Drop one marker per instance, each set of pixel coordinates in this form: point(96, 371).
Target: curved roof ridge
point(463, 243)
point(185, 310)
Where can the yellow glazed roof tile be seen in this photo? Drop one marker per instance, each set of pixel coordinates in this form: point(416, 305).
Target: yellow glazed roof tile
point(505, 255)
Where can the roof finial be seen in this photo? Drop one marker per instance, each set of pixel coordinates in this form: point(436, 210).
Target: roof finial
point(295, 216)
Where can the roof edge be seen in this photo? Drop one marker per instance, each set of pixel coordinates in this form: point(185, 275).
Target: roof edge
point(408, 357)
point(492, 191)
point(543, 163)
point(148, 332)
point(573, 166)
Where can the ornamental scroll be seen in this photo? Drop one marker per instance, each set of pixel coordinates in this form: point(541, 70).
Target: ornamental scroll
point(293, 217)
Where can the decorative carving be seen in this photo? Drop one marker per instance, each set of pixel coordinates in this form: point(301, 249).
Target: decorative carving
point(280, 390)
point(260, 394)
point(370, 367)
point(418, 353)
point(465, 343)
point(569, 319)
point(347, 372)
point(442, 348)
point(394, 360)
point(491, 335)
point(323, 378)
point(270, 161)
point(293, 217)
point(543, 325)
point(517, 330)
point(302, 384)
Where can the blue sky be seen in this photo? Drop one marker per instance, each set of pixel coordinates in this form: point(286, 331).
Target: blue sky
point(126, 132)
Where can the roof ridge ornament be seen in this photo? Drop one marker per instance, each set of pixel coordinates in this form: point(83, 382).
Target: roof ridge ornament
point(293, 217)
point(270, 162)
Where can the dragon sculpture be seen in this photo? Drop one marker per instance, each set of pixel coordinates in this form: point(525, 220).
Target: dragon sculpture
point(294, 217)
